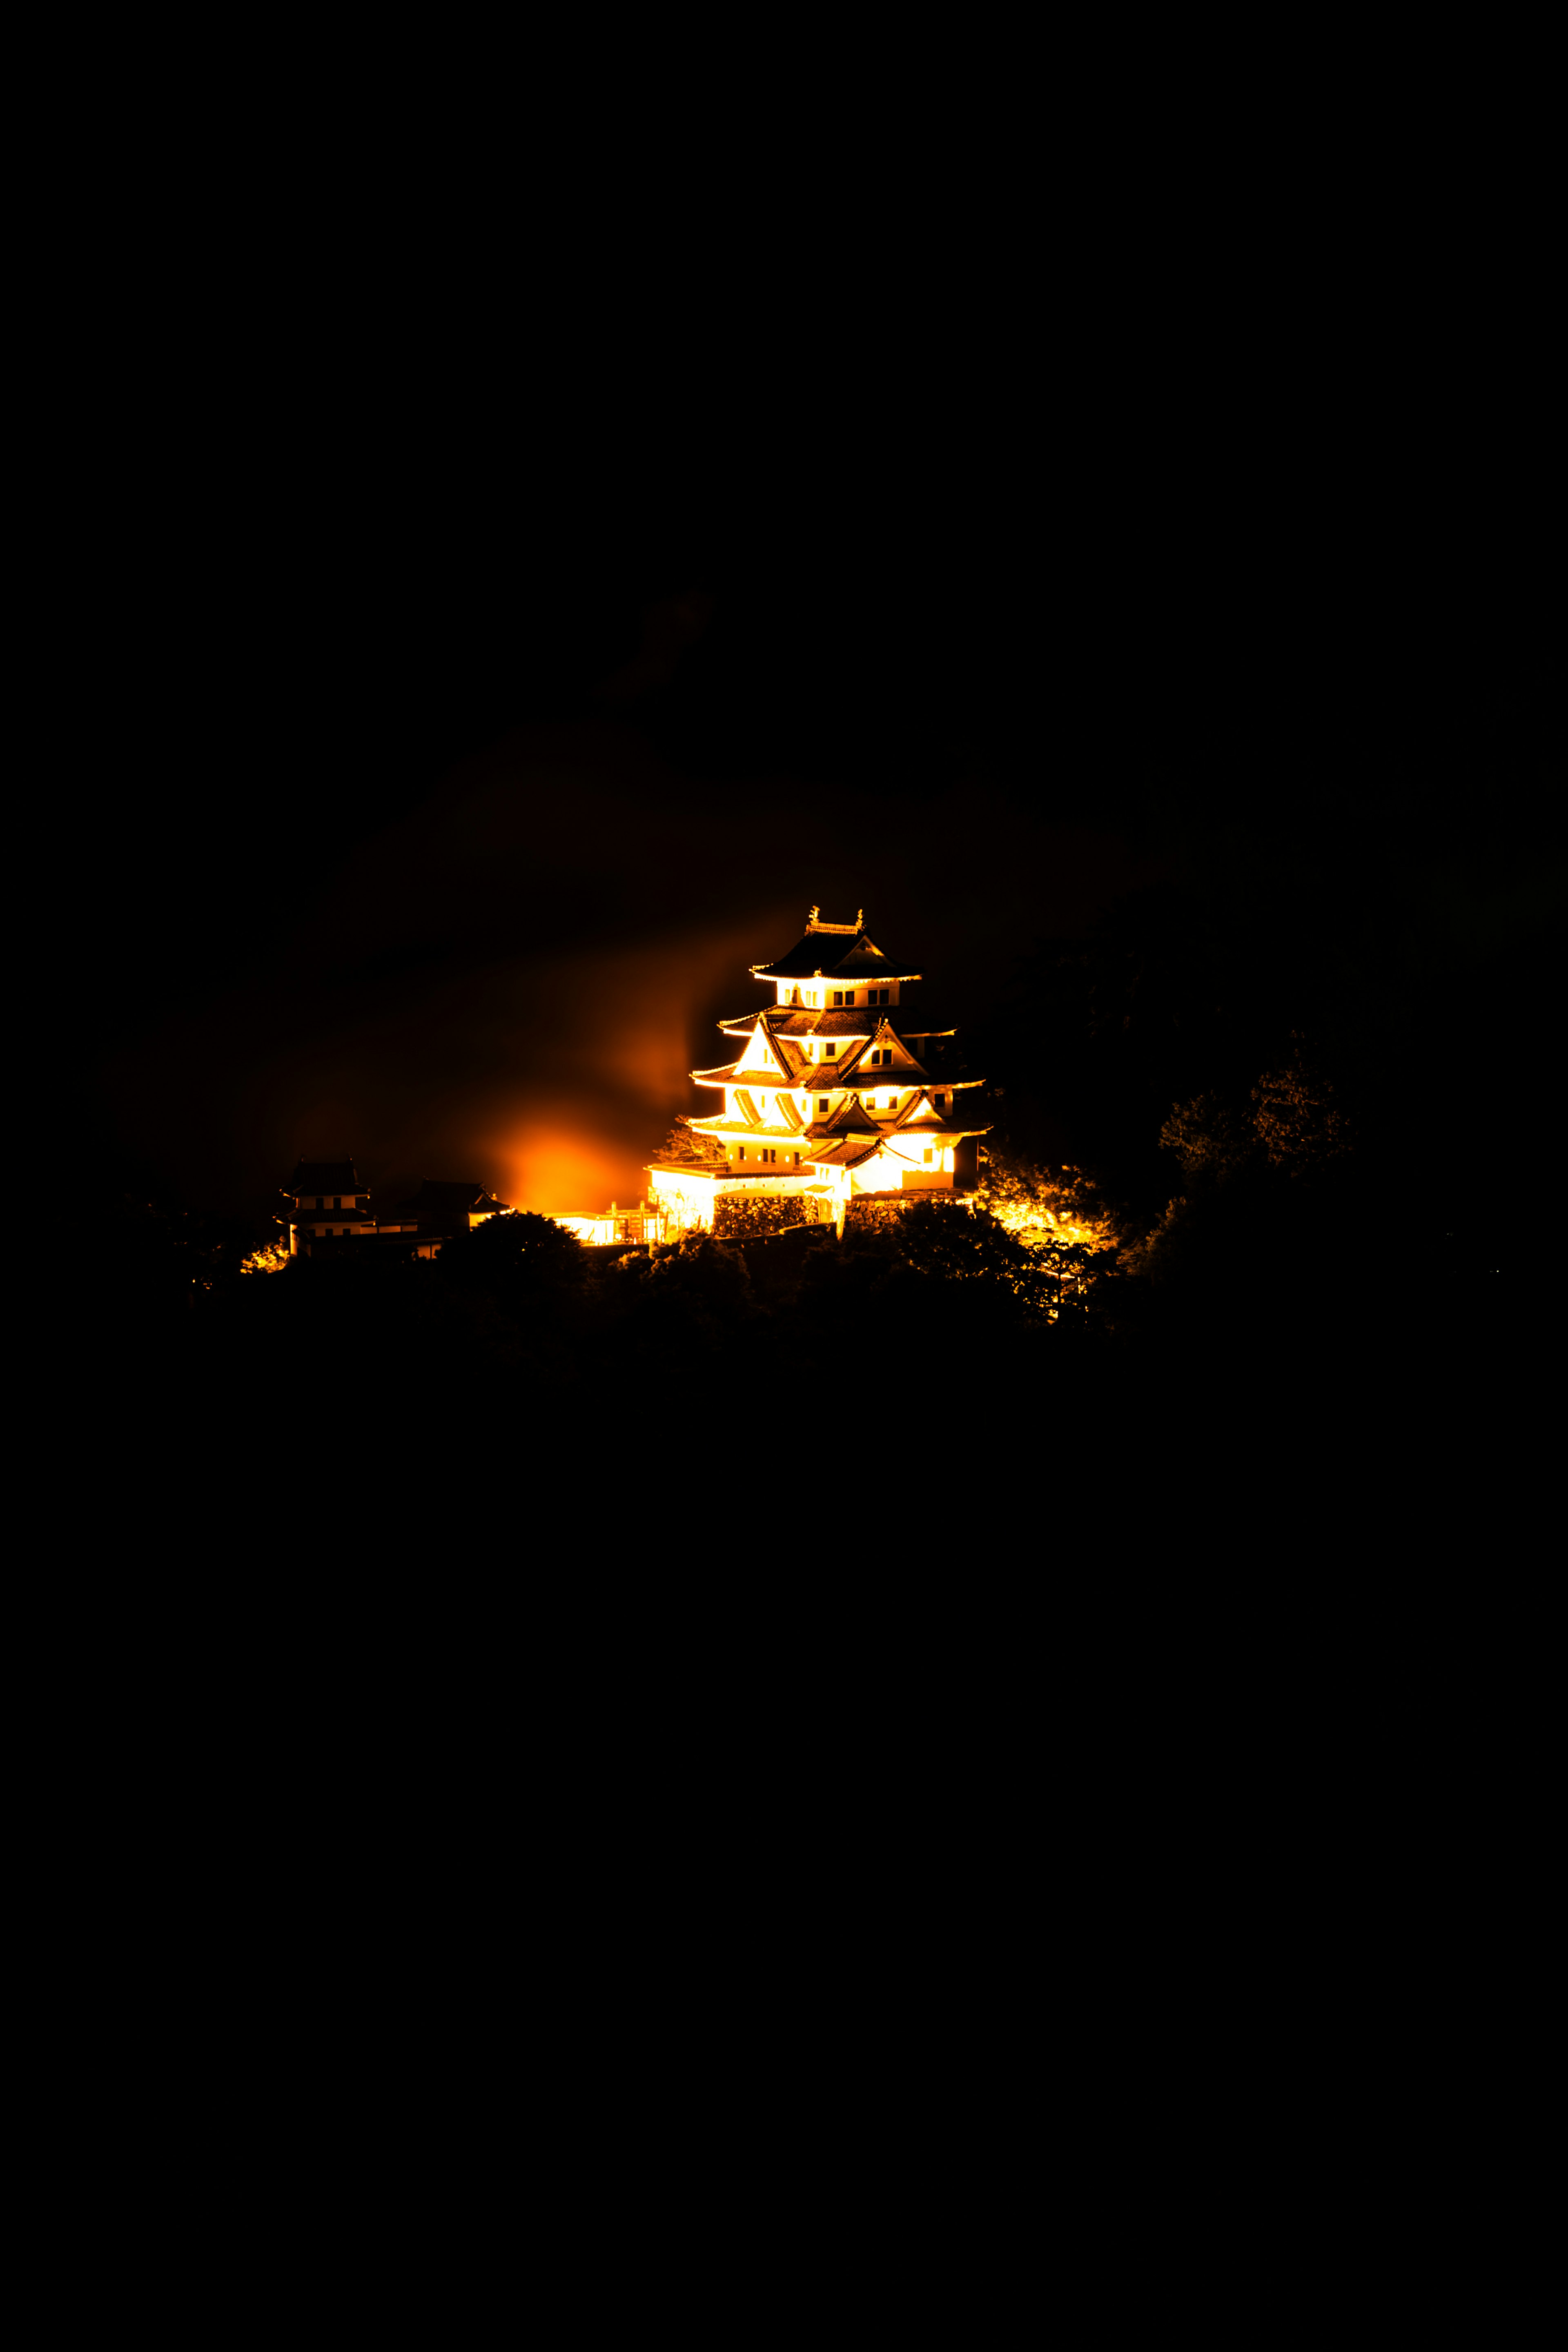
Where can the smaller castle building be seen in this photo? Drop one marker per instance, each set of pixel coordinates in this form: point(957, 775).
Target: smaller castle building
point(327, 1206)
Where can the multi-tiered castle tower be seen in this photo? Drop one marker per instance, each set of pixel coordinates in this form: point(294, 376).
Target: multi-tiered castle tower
point(833, 1092)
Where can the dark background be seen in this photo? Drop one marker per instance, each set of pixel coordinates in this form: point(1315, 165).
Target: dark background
point(470, 692)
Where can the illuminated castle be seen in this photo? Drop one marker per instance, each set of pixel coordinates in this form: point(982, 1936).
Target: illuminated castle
point(832, 1093)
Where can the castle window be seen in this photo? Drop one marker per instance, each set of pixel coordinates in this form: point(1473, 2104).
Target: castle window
point(822, 1102)
point(829, 1051)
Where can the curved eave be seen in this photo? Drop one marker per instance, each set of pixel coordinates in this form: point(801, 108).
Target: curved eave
point(833, 972)
point(875, 975)
point(720, 1125)
point(850, 1153)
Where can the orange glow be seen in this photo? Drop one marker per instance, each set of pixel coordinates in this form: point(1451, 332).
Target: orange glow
point(559, 1165)
point(588, 1063)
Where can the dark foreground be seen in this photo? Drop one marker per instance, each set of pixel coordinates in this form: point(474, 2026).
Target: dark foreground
point(921, 1395)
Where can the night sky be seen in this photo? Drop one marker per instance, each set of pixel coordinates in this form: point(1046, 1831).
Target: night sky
point(440, 828)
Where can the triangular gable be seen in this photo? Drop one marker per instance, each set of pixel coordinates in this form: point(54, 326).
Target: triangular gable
point(849, 1117)
point(882, 1036)
point(791, 1116)
point(864, 952)
point(887, 1035)
point(747, 1107)
point(920, 1100)
point(769, 1063)
point(934, 1122)
point(848, 1151)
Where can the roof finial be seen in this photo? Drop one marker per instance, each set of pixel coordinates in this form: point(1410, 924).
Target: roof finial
point(813, 915)
point(860, 918)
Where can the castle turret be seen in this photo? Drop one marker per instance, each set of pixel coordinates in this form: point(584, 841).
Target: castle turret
point(326, 1201)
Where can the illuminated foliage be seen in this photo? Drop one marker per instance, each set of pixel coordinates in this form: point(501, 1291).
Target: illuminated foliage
point(271, 1258)
point(937, 1265)
point(739, 1216)
point(1043, 1206)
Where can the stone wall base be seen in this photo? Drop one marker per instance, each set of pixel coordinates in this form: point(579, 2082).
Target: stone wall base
point(744, 1216)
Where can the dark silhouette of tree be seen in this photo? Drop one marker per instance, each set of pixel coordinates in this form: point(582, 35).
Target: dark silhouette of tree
point(680, 1306)
point(520, 1258)
point(1296, 1116)
point(1209, 1138)
point(683, 1147)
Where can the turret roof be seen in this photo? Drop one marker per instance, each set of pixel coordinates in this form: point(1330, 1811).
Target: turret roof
point(841, 948)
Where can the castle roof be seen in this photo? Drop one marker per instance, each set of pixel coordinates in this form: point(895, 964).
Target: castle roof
point(919, 1116)
point(720, 1125)
point(849, 1118)
point(787, 1023)
point(710, 1169)
point(848, 1151)
point(842, 950)
point(835, 1078)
